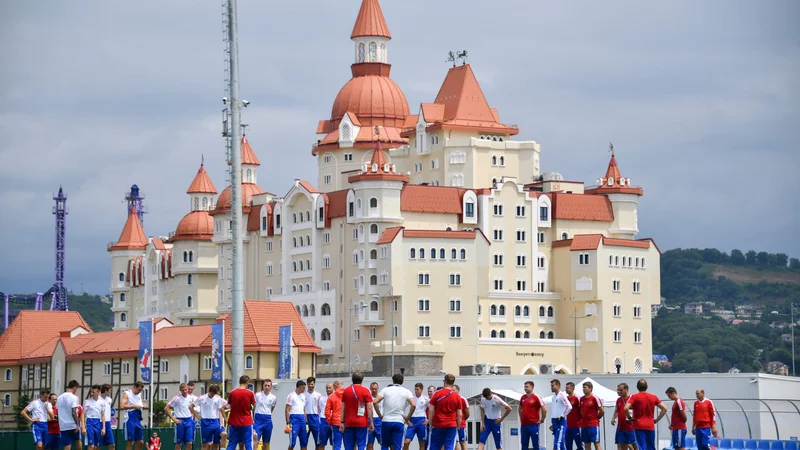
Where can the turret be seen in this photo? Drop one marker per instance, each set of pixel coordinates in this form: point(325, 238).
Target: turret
point(624, 199)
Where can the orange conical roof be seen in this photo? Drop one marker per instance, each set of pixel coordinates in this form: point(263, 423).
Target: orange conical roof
point(202, 183)
point(378, 157)
point(613, 171)
point(370, 21)
point(248, 155)
point(132, 236)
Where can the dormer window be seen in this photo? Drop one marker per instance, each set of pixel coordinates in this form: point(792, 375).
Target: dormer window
point(346, 133)
point(610, 181)
point(375, 168)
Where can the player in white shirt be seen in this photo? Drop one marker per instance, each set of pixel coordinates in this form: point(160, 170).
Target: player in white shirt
point(67, 405)
point(325, 431)
point(107, 396)
point(93, 419)
point(312, 409)
point(179, 410)
point(394, 399)
point(296, 416)
point(39, 415)
point(211, 430)
point(560, 408)
point(418, 424)
point(265, 406)
point(374, 435)
point(132, 404)
point(493, 411)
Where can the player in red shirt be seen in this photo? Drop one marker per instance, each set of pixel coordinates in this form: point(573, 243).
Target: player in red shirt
point(574, 422)
point(641, 405)
point(462, 431)
point(625, 437)
point(445, 413)
point(53, 430)
point(532, 412)
point(705, 420)
point(591, 413)
point(677, 421)
point(356, 414)
point(240, 422)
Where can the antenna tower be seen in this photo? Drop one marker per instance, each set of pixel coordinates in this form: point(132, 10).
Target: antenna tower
point(60, 211)
point(135, 199)
point(232, 132)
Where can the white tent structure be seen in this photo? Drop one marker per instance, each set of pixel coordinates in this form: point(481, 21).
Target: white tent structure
point(608, 396)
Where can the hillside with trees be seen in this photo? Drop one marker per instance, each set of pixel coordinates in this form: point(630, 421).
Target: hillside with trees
point(96, 313)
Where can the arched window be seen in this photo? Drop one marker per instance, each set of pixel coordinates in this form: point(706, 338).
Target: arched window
point(191, 256)
point(294, 266)
point(526, 311)
point(326, 309)
point(373, 280)
point(248, 362)
point(493, 333)
point(123, 317)
point(205, 202)
point(517, 334)
point(383, 52)
point(494, 160)
point(189, 279)
point(297, 307)
point(638, 366)
point(312, 311)
point(361, 52)
point(502, 310)
point(542, 335)
point(413, 253)
point(308, 264)
point(373, 52)
point(294, 217)
point(299, 288)
point(463, 254)
point(249, 175)
point(373, 306)
point(541, 311)
point(551, 335)
point(517, 310)
point(301, 266)
point(564, 236)
point(122, 297)
point(527, 335)
point(7, 399)
point(493, 310)
point(373, 228)
point(442, 253)
point(453, 254)
point(502, 161)
point(305, 310)
point(373, 254)
point(121, 277)
point(294, 242)
point(550, 311)
point(326, 334)
point(196, 204)
point(433, 253)
point(502, 334)
point(373, 202)
point(308, 287)
point(185, 259)
point(308, 240)
point(189, 302)
point(421, 253)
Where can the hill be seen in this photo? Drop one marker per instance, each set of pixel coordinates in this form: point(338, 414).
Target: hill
point(96, 313)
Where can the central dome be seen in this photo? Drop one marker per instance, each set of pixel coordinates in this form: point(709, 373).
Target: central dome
point(372, 96)
point(197, 225)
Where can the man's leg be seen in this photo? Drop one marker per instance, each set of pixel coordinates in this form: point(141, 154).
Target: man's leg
point(497, 434)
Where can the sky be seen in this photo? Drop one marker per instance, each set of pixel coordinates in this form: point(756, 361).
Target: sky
point(699, 98)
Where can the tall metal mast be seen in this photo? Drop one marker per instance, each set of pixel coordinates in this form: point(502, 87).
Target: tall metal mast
point(135, 199)
point(60, 211)
point(234, 135)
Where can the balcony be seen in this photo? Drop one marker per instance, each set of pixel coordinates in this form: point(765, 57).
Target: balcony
point(373, 238)
point(361, 264)
point(498, 319)
point(373, 263)
point(373, 290)
point(328, 348)
point(544, 320)
point(522, 319)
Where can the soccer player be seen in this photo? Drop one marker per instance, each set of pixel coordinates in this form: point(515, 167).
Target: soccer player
point(591, 413)
point(324, 428)
point(462, 431)
point(53, 432)
point(333, 413)
point(265, 406)
point(561, 408)
point(677, 423)
point(312, 409)
point(641, 405)
point(38, 418)
point(240, 422)
point(132, 403)
point(107, 397)
point(67, 405)
point(179, 410)
point(532, 413)
point(375, 434)
point(356, 414)
point(93, 420)
point(296, 416)
point(445, 415)
point(574, 420)
point(210, 418)
point(431, 390)
point(493, 411)
point(418, 424)
point(704, 422)
point(391, 412)
point(625, 437)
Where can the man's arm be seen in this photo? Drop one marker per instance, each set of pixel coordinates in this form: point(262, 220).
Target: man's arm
point(503, 417)
point(194, 413)
point(341, 416)
point(567, 403)
point(411, 410)
point(287, 409)
point(662, 411)
point(544, 411)
point(459, 418)
point(123, 404)
point(683, 412)
point(50, 416)
point(483, 419)
point(600, 411)
point(614, 417)
point(75, 415)
point(169, 411)
point(375, 402)
point(24, 413)
point(83, 419)
point(369, 416)
point(713, 418)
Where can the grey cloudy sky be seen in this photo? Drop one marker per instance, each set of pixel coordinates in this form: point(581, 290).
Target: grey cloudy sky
point(699, 98)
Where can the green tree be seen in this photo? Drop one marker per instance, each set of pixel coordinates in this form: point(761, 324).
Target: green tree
point(781, 259)
point(711, 255)
point(737, 257)
point(160, 418)
point(782, 355)
point(694, 362)
point(22, 402)
point(751, 257)
point(762, 258)
point(794, 264)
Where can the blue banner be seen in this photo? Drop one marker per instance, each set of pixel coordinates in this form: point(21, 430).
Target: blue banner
point(146, 350)
point(285, 357)
point(217, 343)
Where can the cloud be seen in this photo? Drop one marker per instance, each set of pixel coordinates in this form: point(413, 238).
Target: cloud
point(700, 100)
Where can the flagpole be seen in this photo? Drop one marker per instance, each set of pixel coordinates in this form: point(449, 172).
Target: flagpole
point(152, 358)
point(291, 345)
point(223, 358)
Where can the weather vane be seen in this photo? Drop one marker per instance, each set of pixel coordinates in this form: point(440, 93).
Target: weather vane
point(244, 128)
point(453, 57)
point(611, 148)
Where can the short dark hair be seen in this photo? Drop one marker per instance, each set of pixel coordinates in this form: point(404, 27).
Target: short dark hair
point(450, 379)
point(310, 379)
point(529, 382)
point(44, 391)
point(105, 388)
point(373, 384)
point(267, 380)
point(486, 393)
point(213, 388)
point(357, 378)
point(397, 378)
point(52, 394)
point(419, 385)
point(556, 382)
point(299, 383)
point(191, 383)
point(588, 384)
point(244, 379)
point(138, 384)
point(95, 386)
point(641, 385)
point(671, 390)
point(73, 384)
point(624, 386)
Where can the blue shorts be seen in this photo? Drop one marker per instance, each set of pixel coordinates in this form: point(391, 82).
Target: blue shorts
point(376, 434)
point(392, 435)
point(94, 435)
point(442, 437)
point(625, 437)
point(462, 435)
point(298, 423)
point(313, 427)
point(242, 434)
point(54, 441)
point(263, 427)
point(133, 431)
point(530, 433)
point(39, 432)
point(496, 429)
point(355, 438)
point(572, 436)
point(210, 431)
point(418, 429)
point(679, 438)
point(325, 432)
point(70, 436)
point(108, 438)
point(590, 434)
point(646, 439)
point(184, 431)
point(703, 436)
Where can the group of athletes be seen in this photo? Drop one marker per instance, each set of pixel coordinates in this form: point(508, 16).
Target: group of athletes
point(358, 417)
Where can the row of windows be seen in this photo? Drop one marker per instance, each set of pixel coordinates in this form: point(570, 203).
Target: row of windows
point(300, 242)
point(424, 331)
point(637, 336)
point(420, 254)
point(636, 286)
point(637, 311)
point(299, 266)
point(522, 285)
point(301, 216)
point(520, 311)
point(187, 257)
point(374, 56)
point(627, 261)
point(358, 282)
point(424, 305)
point(519, 334)
point(307, 310)
point(501, 161)
point(353, 208)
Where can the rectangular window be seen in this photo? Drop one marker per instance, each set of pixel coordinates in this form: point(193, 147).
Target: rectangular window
point(470, 211)
point(356, 334)
point(498, 259)
point(540, 262)
point(544, 214)
point(107, 369)
point(163, 393)
point(583, 259)
point(521, 261)
point(498, 234)
point(326, 237)
point(520, 210)
point(455, 331)
point(521, 235)
point(263, 224)
point(540, 287)
point(455, 305)
point(423, 279)
point(351, 209)
point(327, 179)
point(498, 284)
point(455, 279)
point(498, 209)
point(522, 285)
point(424, 331)
point(540, 237)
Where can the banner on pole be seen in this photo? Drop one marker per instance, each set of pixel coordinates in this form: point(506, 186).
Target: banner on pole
point(146, 350)
point(217, 343)
point(285, 357)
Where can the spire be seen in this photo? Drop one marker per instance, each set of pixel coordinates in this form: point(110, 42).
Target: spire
point(462, 96)
point(612, 173)
point(202, 183)
point(248, 155)
point(132, 236)
point(370, 21)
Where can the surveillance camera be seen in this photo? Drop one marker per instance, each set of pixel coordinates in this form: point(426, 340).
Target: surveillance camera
point(224, 100)
point(245, 103)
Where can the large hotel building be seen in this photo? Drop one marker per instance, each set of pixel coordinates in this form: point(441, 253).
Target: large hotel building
point(433, 236)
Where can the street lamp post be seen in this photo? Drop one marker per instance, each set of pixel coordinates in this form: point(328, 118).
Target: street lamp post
point(575, 316)
point(391, 297)
point(791, 316)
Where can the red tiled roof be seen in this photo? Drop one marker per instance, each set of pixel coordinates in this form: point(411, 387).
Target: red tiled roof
point(337, 203)
point(439, 234)
point(158, 244)
point(307, 186)
point(585, 242)
point(202, 183)
point(614, 183)
point(197, 226)
point(132, 236)
point(33, 334)
point(370, 21)
point(432, 112)
point(389, 234)
point(263, 319)
point(248, 155)
point(582, 207)
point(626, 243)
point(323, 126)
point(254, 219)
point(431, 199)
point(248, 191)
point(592, 242)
